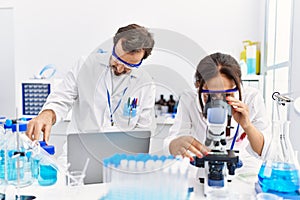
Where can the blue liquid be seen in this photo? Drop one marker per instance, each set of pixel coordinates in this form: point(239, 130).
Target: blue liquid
point(12, 167)
point(251, 66)
point(284, 178)
point(27, 179)
point(47, 175)
point(2, 164)
point(35, 168)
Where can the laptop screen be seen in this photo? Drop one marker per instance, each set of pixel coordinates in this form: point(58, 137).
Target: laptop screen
point(97, 146)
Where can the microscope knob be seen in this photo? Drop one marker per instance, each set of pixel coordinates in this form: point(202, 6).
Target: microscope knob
point(208, 142)
point(239, 164)
point(223, 142)
point(231, 168)
point(216, 143)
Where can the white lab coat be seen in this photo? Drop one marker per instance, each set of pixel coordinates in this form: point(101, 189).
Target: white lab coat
point(190, 121)
point(84, 89)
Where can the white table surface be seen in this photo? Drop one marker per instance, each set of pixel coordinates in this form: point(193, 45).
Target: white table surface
point(239, 188)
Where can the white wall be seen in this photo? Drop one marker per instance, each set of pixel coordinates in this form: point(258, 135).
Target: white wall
point(294, 78)
point(59, 32)
point(7, 71)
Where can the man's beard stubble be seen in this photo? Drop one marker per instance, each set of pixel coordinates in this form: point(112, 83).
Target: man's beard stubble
point(114, 69)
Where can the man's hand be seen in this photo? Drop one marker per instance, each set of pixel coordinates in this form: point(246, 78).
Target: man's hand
point(43, 122)
point(182, 144)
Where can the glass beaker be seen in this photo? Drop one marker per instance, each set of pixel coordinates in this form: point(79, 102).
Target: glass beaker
point(76, 178)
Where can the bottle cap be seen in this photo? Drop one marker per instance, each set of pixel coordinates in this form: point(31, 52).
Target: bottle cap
point(8, 123)
point(42, 143)
point(22, 127)
point(49, 148)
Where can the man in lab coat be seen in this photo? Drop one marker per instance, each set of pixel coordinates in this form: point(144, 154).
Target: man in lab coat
point(104, 90)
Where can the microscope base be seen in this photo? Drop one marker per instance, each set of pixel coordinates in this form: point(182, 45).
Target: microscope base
point(219, 168)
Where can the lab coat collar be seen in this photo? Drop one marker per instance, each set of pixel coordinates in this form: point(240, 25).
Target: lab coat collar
point(134, 73)
point(243, 93)
point(197, 102)
point(103, 57)
point(133, 78)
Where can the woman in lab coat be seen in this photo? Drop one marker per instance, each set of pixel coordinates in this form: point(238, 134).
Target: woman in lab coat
point(215, 73)
point(105, 90)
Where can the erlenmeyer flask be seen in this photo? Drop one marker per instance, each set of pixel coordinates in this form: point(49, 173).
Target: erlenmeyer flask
point(281, 149)
point(290, 155)
point(280, 172)
point(276, 150)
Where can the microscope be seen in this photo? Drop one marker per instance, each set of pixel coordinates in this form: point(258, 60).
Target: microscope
point(220, 164)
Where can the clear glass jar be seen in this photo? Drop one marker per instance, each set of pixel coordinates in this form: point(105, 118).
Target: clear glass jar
point(17, 157)
point(2, 152)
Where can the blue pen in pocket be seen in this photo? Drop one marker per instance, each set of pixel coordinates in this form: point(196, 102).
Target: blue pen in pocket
point(130, 109)
point(133, 107)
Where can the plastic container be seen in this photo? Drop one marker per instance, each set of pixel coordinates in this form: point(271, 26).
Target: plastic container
point(47, 173)
point(251, 59)
point(144, 176)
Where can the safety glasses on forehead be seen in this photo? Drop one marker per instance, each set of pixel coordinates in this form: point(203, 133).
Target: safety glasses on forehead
point(130, 65)
point(220, 91)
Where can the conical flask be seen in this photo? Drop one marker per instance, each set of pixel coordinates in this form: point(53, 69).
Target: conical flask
point(280, 172)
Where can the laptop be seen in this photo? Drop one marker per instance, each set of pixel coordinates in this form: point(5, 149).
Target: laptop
point(97, 146)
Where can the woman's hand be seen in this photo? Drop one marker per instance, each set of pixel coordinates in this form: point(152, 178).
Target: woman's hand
point(182, 144)
point(240, 111)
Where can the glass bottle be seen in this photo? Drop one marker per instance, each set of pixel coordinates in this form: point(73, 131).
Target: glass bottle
point(159, 105)
point(2, 153)
point(18, 156)
point(161, 101)
point(171, 104)
point(10, 160)
point(25, 156)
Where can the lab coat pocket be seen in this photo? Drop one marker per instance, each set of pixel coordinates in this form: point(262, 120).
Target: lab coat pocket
point(129, 111)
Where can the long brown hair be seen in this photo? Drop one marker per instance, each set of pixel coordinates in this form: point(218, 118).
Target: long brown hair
point(215, 64)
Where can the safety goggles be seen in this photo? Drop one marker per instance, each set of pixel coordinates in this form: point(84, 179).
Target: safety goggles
point(219, 94)
point(119, 60)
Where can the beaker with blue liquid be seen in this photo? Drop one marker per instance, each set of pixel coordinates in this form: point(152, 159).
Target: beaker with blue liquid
point(47, 172)
point(279, 174)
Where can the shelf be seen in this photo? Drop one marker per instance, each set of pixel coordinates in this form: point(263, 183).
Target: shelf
point(252, 78)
